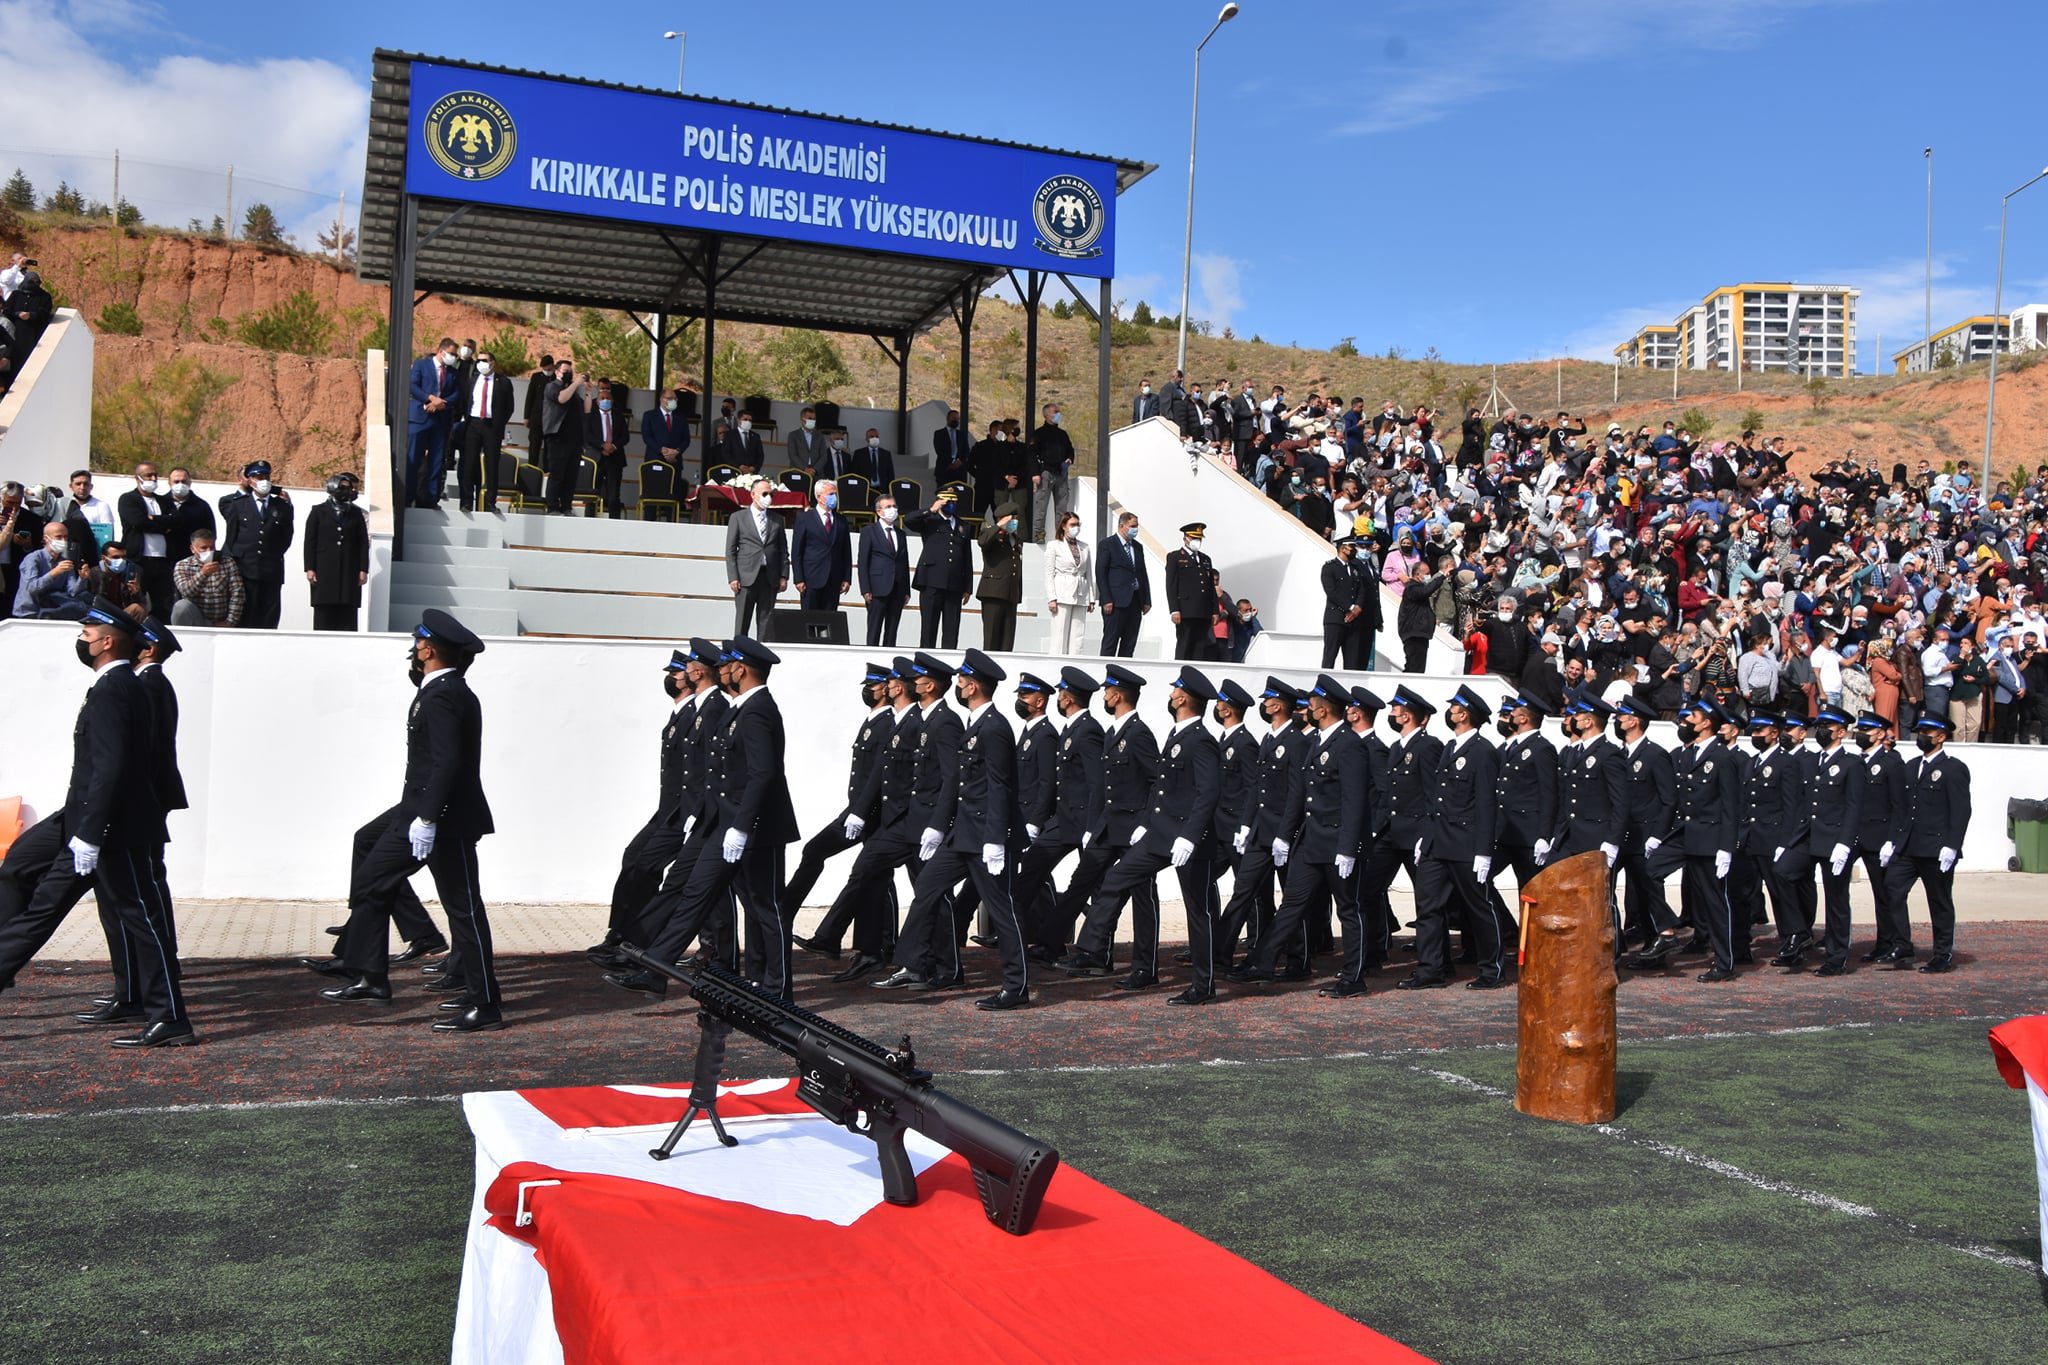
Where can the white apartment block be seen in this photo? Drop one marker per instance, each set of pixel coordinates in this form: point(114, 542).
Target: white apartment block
point(1972, 339)
point(1805, 329)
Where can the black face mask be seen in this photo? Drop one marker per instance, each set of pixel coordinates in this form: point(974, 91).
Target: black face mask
point(1506, 727)
point(1023, 711)
point(1926, 743)
point(960, 695)
point(414, 670)
point(672, 685)
point(1394, 724)
point(84, 648)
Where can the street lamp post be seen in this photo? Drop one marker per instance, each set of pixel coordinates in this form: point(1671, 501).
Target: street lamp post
point(1188, 243)
point(1997, 315)
point(682, 42)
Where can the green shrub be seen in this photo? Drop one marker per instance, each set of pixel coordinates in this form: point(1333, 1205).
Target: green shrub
point(298, 325)
point(119, 320)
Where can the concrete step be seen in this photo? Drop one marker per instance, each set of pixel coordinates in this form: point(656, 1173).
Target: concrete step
point(454, 599)
point(465, 575)
point(417, 552)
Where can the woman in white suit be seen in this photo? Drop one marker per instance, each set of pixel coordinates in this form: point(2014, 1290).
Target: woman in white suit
point(1069, 586)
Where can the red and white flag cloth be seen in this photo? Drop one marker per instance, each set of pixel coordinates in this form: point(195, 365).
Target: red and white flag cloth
point(2021, 1049)
point(582, 1249)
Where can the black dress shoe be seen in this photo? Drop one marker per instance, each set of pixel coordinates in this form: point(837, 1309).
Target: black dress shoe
point(829, 951)
point(607, 947)
point(1717, 974)
point(1422, 983)
point(100, 1002)
point(112, 1013)
point(334, 930)
point(863, 964)
point(1184, 958)
point(940, 981)
point(1005, 1000)
point(1079, 963)
point(445, 982)
point(1833, 969)
point(368, 986)
point(163, 1033)
point(1486, 983)
point(982, 940)
point(426, 947)
point(611, 959)
point(1696, 944)
point(1038, 952)
point(475, 1019)
point(452, 1005)
point(900, 979)
point(1137, 981)
point(1898, 960)
point(639, 982)
point(1247, 973)
point(326, 966)
point(1660, 947)
point(1193, 995)
point(1298, 972)
point(1940, 962)
point(1877, 952)
point(1343, 988)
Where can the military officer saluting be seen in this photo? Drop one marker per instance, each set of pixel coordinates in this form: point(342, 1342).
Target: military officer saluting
point(1455, 856)
point(1937, 819)
point(1191, 594)
point(1835, 790)
point(1883, 832)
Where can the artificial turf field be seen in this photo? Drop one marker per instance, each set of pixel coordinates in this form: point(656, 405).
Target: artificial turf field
point(1797, 1173)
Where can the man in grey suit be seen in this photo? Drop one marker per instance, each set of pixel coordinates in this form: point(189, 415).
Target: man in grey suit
point(807, 447)
point(756, 560)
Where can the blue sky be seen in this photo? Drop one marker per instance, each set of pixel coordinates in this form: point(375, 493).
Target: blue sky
point(1500, 181)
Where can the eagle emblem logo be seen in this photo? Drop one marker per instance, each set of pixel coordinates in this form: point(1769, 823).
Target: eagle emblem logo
point(469, 135)
point(1069, 215)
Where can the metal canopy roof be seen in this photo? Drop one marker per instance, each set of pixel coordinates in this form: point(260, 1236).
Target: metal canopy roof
point(559, 258)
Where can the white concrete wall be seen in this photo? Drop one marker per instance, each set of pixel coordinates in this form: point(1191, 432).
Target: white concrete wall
point(46, 417)
point(289, 741)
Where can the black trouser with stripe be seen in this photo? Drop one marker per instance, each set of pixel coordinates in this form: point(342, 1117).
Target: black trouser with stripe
point(821, 848)
point(122, 947)
point(1879, 877)
point(1713, 910)
point(1090, 875)
point(688, 901)
point(378, 887)
point(1134, 878)
point(1385, 856)
point(648, 854)
point(1251, 908)
point(1900, 876)
point(1035, 899)
point(1306, 881)
point(1645, 902)
point(1448, 887)
point(38, 872)
point(414, 923)
point(930, 944)
point(869, 897)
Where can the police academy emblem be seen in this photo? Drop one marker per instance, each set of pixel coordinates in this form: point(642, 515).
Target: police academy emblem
point(469, 135)
point(1069, 217)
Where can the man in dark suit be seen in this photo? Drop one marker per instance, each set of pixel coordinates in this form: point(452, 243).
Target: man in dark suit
point(1456, 858)
point(1124, 587)
point(440, 816)
point(998, 467)
point(945, 571)
point(1937, 819)
point(951, 452)
point(487, 407)
point(741, 447)
point(1347, 592)
point(435, 390)
point(533, 407)
point(188, 514)
point(1146, 404)
point(259, 530)
point(874, 461)
point(606, 429)
point(821, 551)
point(562, 435)
point(884, 573)
point(665, 431)
point(1173, 398)
point(807, 445)
point(146, 526)
point(337, 556)
point(756, 559)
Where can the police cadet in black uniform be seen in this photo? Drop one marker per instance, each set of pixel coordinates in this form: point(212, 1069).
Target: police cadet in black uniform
point(104, 838)
point(935, 794)
point(1651, 799)
point(1709, 803)
point(657, 843)
point(883, 805)
point(1177, 830)
point(1251, 892)
point(1350, 607)
point(1937, 818)
point(1835, 815)
point(256, 530)
point(1334, 797)
point(1592, 786)
point(1766, 822)
point(846, 829)
point(1130, 767)
point(1885, 809)
point(440, 815)
point(1237, 794)
point(1401, 815)
point(1191, 595)
point(1077, 809)
point(1746, 887)
point(1526, 793)
point(1038, 767)
point(1455, 859)
point(1362, 714)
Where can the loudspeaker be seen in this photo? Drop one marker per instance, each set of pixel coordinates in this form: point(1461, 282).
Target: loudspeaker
point(788, 626)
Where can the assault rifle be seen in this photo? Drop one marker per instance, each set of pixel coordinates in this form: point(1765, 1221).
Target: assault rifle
point(879, 1093)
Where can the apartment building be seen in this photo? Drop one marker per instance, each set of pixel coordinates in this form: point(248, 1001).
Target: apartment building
point(1806, 329)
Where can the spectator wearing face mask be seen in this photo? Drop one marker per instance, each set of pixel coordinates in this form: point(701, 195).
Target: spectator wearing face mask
point(189, 513)
point(1052, 463)
point(487, 407)
point(116, 579)
point(884, 564)
point(259, 530)
point(874, 461)
point(145, 537)
point(337, 556)
point(756, 559)
point(665, 432)
point(742, 447)
point(210, 587)
point(21, 535)
point(52, 586)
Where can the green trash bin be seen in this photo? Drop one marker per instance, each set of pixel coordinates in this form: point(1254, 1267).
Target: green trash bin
point(2028, 823)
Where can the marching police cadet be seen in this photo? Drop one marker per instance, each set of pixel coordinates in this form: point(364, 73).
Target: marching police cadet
point(1177, 831)
point(934, 796)
point(1334, 797)
point(751, 818)
point(1400, 811)
point(1237, 792)
point(660, 840)
point(104, 838)
point(1835, 816)
point(1077, 809)
point(1363, 709)
point(1745, 882)
point(1592, 786)
point(1526, 794)
point(1262, 841)
point(1766, 823)
point(1937, 818)
point(1130, 767)
point(1883, 832)
point(1038, 766)
point(974, 845)
point(1455, 855)
point(440, 815)
point(883, 804)
point(1649, 804)
point(1191, 594)
point(1796, 864)
point(1709, 801)
point(846, 829)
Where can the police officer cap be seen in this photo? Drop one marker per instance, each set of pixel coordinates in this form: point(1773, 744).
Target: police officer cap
point(1031, 682)
point(901, 667)
point(1472, 702)
point(1365, 699)
point(1715, 712)
point(752, 653)
point(256, 469)
point(703, 651)
point(1530, 704)
point(1587, 704)
point(1760, 720)
point(1281, 691)
point(1327, 686)
point(1941, 723)
point(1195, 530)
point(439, 626)
point(930, 666)
point(1116, 675)
point(1833, 715)
point(979, 666)
point(1793, 720)
point(1195, 685)
point(877, 673)
point(105, 613)
point(1079, 680)
point(158, 636)
point(1231, 693)
point(1409, 701)
point(676, 659)
point(1631, 706)
point(1871, 720)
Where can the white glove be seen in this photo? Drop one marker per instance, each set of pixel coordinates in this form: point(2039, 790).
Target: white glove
point(1031, 833)
point(1613, 851)
point(1280, 852)
point(928, 844)
point(1722, 862)
point(1482, 868)
point(421, 833)
point(1777, 853)
point(735, 845)
point(1346, 865)
point(854, 825)
point(1183, 850)
point(1137, 836)
point(992, 859)
point(1244, 833)
point(689, 825)
point(1650, 845)
point(1884, 855)
point(1948, 860)
point(1418, 850)
point(1542, 851)
point(1087, 838)
point(84, 857)
point(1838, 859)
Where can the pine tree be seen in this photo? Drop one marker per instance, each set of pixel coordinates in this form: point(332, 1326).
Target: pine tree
point(260, 225)
point(18, 194)
point(65, 200)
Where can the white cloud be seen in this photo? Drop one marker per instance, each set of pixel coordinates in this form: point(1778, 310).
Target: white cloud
point(295, 131)
point(1219, 290)
point(1598, 338)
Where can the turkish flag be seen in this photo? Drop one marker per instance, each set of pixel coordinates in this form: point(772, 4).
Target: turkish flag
point(2020, 1048)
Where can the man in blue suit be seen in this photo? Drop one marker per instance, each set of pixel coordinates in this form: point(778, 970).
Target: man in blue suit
point(666, 431)
point(821, 552)
point(436, 387)
point(1123, 586)
point(884, 573)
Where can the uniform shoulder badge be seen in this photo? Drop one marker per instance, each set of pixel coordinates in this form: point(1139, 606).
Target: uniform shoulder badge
point(1937, 774)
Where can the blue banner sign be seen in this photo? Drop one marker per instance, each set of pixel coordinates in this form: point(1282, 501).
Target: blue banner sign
point(526, 142)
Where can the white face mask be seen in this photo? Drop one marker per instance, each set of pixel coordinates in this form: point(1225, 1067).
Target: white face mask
point(888, 515)
point(149, 486)
point(1002, 436)
point(261, 487)
point(206, 556)
point(462, 351)
point(1144, 388)
point(746, 427)
point(838, 443)
point(874, 443)
point(762, 500)
point(483, 367)
point(181, 490)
